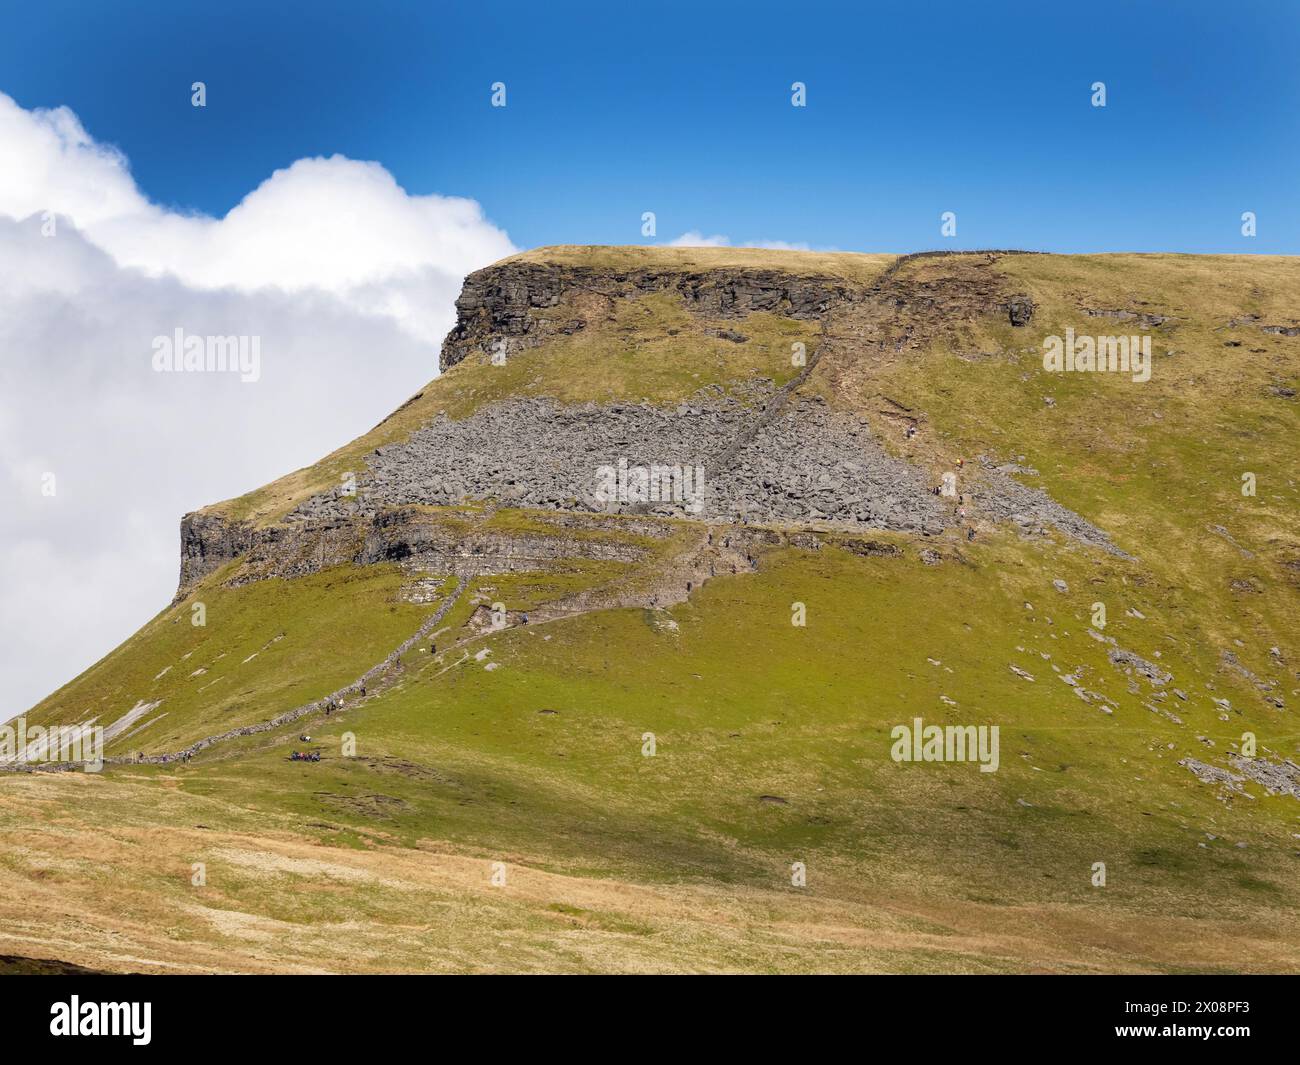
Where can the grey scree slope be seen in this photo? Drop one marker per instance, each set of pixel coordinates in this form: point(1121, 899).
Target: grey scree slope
point(808, 464)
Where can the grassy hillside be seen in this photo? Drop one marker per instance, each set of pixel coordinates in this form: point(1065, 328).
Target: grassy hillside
point(527, 746)
point(270, 646)
point(263, 648)
point(850, 266)
point(766, 757)
point(1158, 464)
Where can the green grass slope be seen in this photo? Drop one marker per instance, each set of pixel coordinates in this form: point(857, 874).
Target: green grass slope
point(772, 747)
point(263, 649)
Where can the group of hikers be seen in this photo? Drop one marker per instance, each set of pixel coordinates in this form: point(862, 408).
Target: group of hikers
point(305, 756)
point(938, 490)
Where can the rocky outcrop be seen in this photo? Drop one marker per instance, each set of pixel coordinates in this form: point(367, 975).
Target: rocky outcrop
point(1020, 309)
point(208, 542)
point(1143, 319)
point(521, 304)
point(419, 540)
point(931, 290)
point(1278, 776)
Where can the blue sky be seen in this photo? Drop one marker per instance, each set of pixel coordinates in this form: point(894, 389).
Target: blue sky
point(684, 109)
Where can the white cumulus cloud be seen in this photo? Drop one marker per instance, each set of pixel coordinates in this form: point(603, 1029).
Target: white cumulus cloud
point(347, 280)
point(693, 238)
point(334, 225)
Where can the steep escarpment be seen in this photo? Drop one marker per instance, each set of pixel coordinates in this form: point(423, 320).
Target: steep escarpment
point(208, 542)
point(512, 306)
point(766, 447)
point(434, 540)
point(521, 303)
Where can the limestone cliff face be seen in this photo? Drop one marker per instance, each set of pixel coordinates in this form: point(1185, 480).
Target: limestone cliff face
point(410, 536)
point(522, 303)
point(208, 542)
point(519, 302)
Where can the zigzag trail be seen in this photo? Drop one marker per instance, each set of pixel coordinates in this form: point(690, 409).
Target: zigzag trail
point(770, 411)
point(773, 408)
